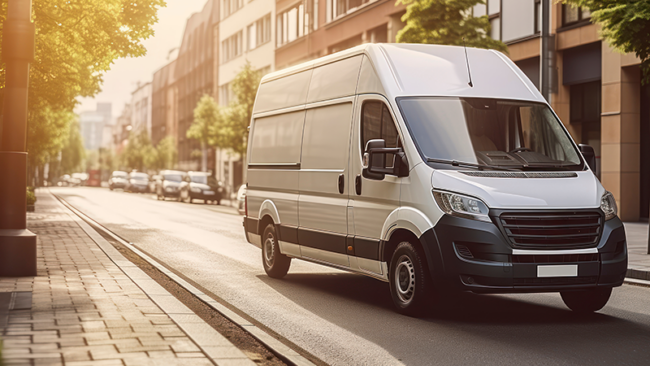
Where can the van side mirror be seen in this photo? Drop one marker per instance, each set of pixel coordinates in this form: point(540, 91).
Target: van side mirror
point(589, 155)
point(374, 161)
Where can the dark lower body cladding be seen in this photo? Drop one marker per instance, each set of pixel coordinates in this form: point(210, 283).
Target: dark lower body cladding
point(475, 256)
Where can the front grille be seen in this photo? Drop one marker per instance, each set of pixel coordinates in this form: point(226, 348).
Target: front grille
point(552, 230)
point(561, 281)
point(550, 259)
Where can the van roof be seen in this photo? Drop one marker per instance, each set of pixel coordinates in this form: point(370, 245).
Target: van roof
point(435, 70)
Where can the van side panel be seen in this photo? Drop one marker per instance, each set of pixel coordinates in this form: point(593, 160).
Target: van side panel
point(282, 93)
point(335, 80)
point(273, 167)
point(322, 207)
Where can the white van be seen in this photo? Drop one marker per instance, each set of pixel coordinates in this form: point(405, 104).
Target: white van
point(385, 160)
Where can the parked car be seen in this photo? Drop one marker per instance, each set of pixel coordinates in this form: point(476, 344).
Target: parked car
point(138, 183)
point(94, 178)
point(241, 200)
point(168, 184)
point(63, 180)
point(201, 186)
point(397, 164)
point(118, 180)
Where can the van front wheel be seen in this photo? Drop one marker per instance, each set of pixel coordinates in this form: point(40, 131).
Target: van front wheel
point(409, 282)
point(588, 301)
point(276, 264)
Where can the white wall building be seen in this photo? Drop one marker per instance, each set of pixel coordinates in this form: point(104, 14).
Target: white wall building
point(141, 108)
point(246, 33)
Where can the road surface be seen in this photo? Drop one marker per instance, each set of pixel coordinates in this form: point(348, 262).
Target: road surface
point(346, 319)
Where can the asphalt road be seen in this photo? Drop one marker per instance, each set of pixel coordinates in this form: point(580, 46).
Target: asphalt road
point(347, 319)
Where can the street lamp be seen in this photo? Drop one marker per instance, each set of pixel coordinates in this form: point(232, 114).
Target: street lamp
point(17, 244)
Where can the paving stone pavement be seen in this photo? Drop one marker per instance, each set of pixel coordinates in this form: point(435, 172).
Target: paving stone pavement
point(84, 309)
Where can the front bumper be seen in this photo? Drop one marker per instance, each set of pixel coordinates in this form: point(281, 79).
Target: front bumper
point(493, 265)
point(137, 188)
point(203, 196)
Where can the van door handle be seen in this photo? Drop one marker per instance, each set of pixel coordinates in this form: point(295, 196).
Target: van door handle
point(341, 183)
point(357, 185)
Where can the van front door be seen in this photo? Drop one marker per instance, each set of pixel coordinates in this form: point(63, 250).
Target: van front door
point(371, 201)
point(323, 201)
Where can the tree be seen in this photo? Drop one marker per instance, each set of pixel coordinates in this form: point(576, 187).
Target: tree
point(233, 131)
point(446, 22)
point(139, 154)
point(73, 152)
point(76, 42)
point(625, 25)
point(166, 154)
point(207, 116)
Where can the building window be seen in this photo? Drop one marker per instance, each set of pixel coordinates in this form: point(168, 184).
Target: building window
point(231, 47)
point(538, 16)
point(225, 94)
point(259, 32)
point(231, 6)
point(296, 22)
point(572, 15)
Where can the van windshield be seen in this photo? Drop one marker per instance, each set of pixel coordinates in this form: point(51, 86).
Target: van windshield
point(495, 133)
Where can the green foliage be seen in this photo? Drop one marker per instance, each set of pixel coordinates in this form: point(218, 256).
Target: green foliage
point(446, 22)
point(73, 152)
point(207, 116)
point(139, 154)
point(233, 131)
point(625, 25)
point(31, 197)
point(76, 42)
point(166, 154)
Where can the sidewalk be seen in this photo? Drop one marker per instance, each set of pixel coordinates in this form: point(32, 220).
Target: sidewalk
point(82, 309)
point(637, 244)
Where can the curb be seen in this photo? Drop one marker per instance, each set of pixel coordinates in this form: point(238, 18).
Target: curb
point(280, 349)
point(637, 274)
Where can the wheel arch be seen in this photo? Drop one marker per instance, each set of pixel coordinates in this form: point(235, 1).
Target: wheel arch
point(268, 214)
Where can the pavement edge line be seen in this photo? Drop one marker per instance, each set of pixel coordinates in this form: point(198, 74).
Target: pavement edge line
point(262, 336)
point(196, 334)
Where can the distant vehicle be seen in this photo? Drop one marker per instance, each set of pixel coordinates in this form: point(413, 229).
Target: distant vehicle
point(118, 180)
point(94, 178)
point(201, 186)
point(241, 200)
point(64, 180)
point(152, 183)
point(138, 182)
point(391, 161)
point(168, 184)
point(79, 179)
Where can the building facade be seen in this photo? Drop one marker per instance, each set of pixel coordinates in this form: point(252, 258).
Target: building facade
point(141, 109)
point(121, 129)
point(193, 78)
point(309, 29)
point(246, 34)
point(93, 124)
point(164, 116)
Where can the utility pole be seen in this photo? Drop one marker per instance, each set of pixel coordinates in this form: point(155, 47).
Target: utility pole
point(17, 244)
point(546, 53)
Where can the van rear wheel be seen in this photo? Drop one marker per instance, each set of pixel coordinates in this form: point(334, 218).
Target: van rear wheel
point(276, 264)
point(588, 301)
point(410, 286)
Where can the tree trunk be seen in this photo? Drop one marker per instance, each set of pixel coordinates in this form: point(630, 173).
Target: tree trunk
point(204, 157)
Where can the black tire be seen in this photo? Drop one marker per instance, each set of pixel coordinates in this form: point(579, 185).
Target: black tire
point(205, 202)
point(111, 188)
point(587, 301)
point(410, 285)
point(276, 264)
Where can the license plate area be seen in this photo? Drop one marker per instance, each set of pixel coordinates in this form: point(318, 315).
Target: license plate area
point(564, 270)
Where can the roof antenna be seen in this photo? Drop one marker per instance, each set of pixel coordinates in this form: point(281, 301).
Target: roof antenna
point(469, 72)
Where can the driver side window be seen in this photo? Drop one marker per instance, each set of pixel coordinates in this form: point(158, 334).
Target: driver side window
point(377, 123)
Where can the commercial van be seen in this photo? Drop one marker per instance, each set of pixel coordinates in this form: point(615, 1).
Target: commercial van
point(432, 168)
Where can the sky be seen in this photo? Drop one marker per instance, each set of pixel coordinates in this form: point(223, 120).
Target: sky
point(125, 74)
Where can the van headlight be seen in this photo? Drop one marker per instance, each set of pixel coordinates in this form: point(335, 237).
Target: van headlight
point(608, 205)
point(462, 206)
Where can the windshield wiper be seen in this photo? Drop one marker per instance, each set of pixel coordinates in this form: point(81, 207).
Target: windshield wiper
point(469, 165)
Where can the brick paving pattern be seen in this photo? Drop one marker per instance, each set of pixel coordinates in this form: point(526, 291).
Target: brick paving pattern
point(85, 310)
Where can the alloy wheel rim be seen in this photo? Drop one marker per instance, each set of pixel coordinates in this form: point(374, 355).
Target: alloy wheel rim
point(269, 250)
point(405, 279)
